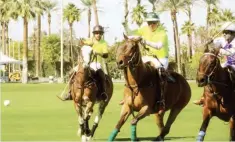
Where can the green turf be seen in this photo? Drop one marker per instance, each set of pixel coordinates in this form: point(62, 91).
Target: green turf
point(35, 114)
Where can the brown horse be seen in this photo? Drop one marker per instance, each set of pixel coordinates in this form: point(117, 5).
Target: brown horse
point(142, 91)
point(84, 90)
point(219, 96)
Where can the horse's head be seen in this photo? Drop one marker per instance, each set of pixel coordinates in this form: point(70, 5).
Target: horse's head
point(128, 52)
point(86, 54)
point(83, 68)
point(208, 65)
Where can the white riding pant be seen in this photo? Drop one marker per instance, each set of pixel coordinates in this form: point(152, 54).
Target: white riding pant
point(157, 64)
point(94, 65)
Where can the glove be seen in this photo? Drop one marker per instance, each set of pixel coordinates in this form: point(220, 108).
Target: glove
point(81, 42)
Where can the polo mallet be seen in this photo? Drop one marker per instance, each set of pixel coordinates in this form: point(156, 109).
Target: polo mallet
point(65, 88)
point(208, 42)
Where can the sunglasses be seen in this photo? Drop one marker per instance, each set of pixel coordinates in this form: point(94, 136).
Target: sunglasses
point(100, 33)
point(151, 22)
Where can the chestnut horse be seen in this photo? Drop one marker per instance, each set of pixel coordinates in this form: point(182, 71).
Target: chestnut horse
point(84, 89)
point(142, 91)
point(219, 95)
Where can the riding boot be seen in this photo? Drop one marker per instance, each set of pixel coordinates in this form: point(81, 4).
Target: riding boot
point(232, 75)
point(160, 104)
point(102, 78)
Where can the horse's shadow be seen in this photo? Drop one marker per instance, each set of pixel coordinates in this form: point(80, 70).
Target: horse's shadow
point(152, 138)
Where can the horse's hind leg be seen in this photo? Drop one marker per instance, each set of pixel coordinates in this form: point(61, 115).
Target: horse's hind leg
point(101, 109)
point(205, 123)
point(159, 121)
point(232, 128)
point(125, 113)
point(171, 118)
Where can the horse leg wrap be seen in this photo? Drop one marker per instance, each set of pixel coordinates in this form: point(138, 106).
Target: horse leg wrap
point(113, 135)
point(133, 132)
point(82, 129)
point(95, 125)
point(201, 135)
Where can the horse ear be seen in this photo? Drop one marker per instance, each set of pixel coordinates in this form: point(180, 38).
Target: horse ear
point(217, 47)
point(125, 36)
point(206, 49)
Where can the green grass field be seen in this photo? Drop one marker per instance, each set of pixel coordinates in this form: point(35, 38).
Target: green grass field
point(35, 114)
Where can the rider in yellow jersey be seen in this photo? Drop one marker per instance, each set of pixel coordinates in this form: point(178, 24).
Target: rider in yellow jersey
point(100, 48)
point(155, 38)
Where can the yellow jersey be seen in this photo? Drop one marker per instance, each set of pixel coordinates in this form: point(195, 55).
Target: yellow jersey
point(159, 35)
point(98, 46)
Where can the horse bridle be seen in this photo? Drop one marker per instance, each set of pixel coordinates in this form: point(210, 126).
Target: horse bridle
point(209, 76)
point(130, 62)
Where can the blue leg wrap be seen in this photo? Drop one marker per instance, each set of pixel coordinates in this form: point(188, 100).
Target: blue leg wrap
point(133, 132)
point(113, 135)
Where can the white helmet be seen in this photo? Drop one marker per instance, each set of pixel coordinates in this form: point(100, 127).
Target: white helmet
point(229, 26)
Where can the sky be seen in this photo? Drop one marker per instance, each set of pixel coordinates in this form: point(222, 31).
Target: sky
point(111, 15)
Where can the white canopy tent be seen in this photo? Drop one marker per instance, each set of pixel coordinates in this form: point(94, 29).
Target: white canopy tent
point(4, 59)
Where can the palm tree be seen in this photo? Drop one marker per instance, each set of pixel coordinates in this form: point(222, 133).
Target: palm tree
point(210, 4)
point(174, 6)
point(95, 12)
point(214, 17)
point(153, 2)
point(39, 8)
point(188, 29)
point(71, 14)
point(50, 7)
point(25, 9)
point(88, 5)
point(126, 11)
point(227, 15)
point(5, 12)
point(189, 24)
point(138, 14)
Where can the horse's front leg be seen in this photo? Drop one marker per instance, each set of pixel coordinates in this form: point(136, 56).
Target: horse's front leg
point(144, 111)
point(81, 130)
point(206, 119)
point(87, 114)
point(232, 128)
point(125, 113)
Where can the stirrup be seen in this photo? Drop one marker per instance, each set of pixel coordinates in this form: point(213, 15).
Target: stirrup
point(198, 102)
point(121, 102)
point(170, 79)
point(160, 105)
point(106, 96)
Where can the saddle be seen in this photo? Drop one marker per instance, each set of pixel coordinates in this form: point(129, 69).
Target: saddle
point(165, 75)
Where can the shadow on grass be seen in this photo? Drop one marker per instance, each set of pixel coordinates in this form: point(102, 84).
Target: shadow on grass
point(151, 138)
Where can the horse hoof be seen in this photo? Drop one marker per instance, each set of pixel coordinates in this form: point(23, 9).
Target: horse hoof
point(79, 132)
point(89, 138)
point(83, 139)
point(159, 139)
